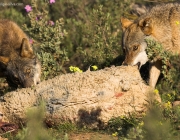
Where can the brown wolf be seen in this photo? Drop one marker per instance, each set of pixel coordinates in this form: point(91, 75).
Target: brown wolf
point(18, 62)
point(161, 23)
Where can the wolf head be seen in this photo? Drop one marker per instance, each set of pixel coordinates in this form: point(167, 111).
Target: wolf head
point(22, 68)
point(134, 44)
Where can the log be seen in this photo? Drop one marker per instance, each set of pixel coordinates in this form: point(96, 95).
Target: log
point(90, 98)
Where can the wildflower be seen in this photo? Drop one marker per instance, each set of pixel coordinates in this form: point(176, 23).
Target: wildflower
point(156, 91)
point(52, 1)
point(38, 17)
point(169, 95)
point(177, 22)
point(115, 134)
point(122, 117)
point(75, 69)
point(71, 68)
point(94, 67)
point(168, 105)
point(144, 114)
point(28, 8)
point(160, 123)
point(31, 41)
point(62, 34)
point(51, 23)
point(141, 123)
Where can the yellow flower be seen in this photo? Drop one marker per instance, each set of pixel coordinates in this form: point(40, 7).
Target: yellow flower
point(177, 22)
point(71, 68)
point(115, 134)
point(144, 114)
point(168, 105)
point(141, 123)
point(169, 96)
point(94, 67)
point(156, 91)
point(75, 69)
point(160, 123)
point(122, 117)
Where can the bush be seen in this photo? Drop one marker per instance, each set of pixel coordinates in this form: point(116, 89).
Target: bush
point(48, 35)
point(169, 84)
point(94, 34)
point(12, 14)
point(103, 44)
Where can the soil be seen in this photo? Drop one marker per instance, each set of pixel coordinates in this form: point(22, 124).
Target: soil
point(91, 136)
point(85, 136)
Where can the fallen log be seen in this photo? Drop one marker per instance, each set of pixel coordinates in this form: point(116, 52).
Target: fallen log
point(90, 98)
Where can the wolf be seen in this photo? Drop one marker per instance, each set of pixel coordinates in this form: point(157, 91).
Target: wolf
point(18, 62)
point(162, 24)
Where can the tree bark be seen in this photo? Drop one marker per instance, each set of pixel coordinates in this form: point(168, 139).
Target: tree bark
point(90, 98)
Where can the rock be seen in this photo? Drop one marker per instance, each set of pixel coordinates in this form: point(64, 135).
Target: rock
point(90, 98)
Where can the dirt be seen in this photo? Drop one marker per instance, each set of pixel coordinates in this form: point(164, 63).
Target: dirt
point(85, 136)
point(91, 136)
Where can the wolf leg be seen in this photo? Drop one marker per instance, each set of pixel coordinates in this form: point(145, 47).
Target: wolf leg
point(154, 73)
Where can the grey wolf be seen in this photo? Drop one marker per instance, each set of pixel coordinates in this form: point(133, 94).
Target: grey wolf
point(162, 24)
point(18, 62)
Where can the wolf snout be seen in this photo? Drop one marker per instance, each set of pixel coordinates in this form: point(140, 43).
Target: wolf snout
point(137, 64)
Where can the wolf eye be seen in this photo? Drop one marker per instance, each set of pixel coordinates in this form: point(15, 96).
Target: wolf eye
point(135, 48)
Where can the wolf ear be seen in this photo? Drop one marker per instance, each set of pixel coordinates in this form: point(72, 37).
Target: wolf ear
point(4, 60)
point(146, 26)
point(26, 49)
point(125, 23)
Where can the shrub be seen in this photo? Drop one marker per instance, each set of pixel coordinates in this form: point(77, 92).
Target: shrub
point(101, 34)
point(12, 14)
point(48, 35)
point(169, 85)
point(93, 27)
point(169, 90)
point(121, 126)
point(103, 45)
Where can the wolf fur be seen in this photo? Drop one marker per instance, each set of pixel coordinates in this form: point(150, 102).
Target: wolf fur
point(18, 62)
point(161, 23)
